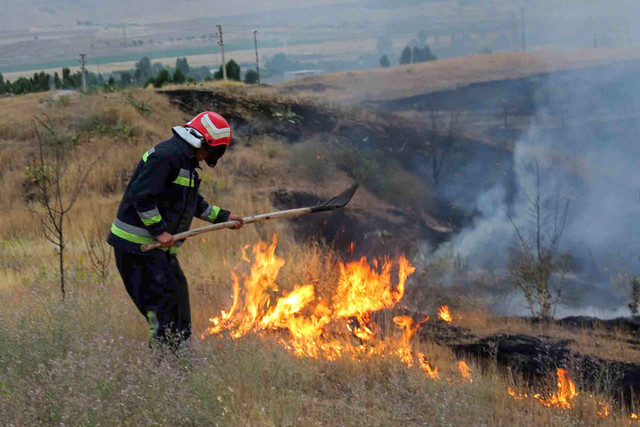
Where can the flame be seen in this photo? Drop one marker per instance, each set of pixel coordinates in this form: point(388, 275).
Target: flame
point(604, 410)
point(465, 370)
point(444, 314)
point(634, 416)
point(426, 367)
point(564, 394)
point(516, 395)
point(362, 288)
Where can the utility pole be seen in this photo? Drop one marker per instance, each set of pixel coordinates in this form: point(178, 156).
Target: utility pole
point(255, 42)
point(514, 31)
point(221, 43)
point(83, 70)
point(524, 41)
point(124, 35)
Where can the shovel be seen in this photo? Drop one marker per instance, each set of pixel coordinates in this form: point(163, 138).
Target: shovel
point(328, 205)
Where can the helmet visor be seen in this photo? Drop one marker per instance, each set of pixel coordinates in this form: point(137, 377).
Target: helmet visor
point(214, 154)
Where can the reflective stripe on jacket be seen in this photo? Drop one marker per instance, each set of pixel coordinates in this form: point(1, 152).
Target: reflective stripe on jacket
point(162, 195)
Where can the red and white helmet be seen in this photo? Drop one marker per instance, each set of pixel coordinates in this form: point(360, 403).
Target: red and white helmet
point(214, 129)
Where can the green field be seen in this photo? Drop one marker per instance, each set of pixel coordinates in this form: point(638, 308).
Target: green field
point(234, 46)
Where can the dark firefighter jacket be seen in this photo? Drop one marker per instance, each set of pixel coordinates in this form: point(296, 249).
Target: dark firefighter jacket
point(162, 195)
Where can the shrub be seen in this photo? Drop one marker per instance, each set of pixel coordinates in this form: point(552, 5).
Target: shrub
point(162, 78)
point(251, 77)
point(178, 77)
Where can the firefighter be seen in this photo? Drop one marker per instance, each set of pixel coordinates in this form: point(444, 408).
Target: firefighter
point(161, 200)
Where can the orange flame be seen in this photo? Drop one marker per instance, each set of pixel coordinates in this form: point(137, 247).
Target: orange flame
point(564, 394)
point(465, 370)
point(259, 305)
point(444, 314)
point(405, 349)
point(428, 370)
point(604, 411)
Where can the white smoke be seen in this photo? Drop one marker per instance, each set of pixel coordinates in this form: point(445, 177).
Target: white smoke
point(594, 162)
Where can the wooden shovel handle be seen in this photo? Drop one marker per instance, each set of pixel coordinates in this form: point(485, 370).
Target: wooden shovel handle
point(247, 220)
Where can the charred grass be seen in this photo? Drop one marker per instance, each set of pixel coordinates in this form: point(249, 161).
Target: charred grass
point(85, 361)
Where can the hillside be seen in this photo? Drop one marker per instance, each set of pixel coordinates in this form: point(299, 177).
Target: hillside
point(387, 84)
point(350, 344)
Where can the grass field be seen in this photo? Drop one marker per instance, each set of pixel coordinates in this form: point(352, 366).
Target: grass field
point(85, 361)
point(386, 84)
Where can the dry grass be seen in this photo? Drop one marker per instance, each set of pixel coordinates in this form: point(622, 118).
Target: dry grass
point(416, 79)
point(86, 362)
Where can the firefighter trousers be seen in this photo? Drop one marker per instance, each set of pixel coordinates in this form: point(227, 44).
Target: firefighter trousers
point(159, 289)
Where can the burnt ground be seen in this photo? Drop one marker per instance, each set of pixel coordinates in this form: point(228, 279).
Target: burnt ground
point(375, 232)
point(537, 358)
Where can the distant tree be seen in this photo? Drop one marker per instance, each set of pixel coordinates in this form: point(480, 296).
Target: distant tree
point(427, 54)
point(1, 83)
point(40, 82)
point(422, 54)
point(144, 67)
point(416, 55)
point(384, 61)
point(125, 79)
point(251, 77)
point(21, 85)
point(178, 76)
point(68, 81)
point(280, 63)
point(57, 83)
point(162, 78)
point(405, 57)
point(233, 71)
point(183, 66)
point(384, 45)
point(111, 82)
point(156, 67)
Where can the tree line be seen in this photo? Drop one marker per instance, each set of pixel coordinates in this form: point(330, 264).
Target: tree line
point(143, 74)
point(411, 55)
point(42, 82)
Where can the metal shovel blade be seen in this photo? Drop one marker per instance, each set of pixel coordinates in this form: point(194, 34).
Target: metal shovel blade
point(337, 202)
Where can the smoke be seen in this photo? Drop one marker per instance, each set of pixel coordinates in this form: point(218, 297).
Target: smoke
point(583, 135)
